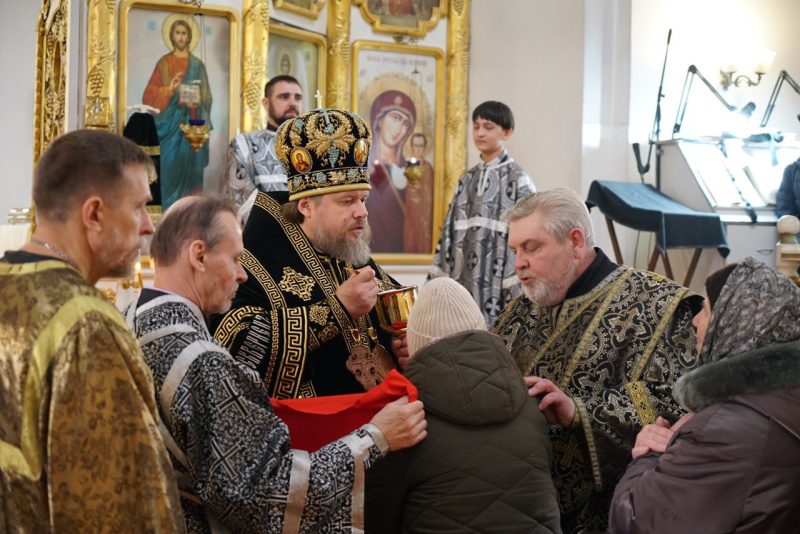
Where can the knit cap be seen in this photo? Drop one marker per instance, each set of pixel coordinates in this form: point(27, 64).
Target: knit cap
point(443, 307)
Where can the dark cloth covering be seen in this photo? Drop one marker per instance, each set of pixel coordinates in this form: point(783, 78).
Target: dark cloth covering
point(21, 256)
point(285, 321)
point(141, 129)
point(643, 207)
point(485, 465)
point(734, 466)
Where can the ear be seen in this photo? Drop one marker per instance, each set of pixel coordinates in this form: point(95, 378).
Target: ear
point(265, 103)
point(304, 206)
point(577, 241)
point(198, 253)
point(507, 133)
point(93, 213)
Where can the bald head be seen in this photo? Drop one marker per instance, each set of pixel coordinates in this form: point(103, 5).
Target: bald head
point(188, 219)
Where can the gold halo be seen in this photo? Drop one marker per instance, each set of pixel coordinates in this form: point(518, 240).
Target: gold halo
point(407, 85)
point(189, 19)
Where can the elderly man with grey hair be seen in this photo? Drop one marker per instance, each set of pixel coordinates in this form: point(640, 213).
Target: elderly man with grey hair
point(232, 455)
point(600, 345)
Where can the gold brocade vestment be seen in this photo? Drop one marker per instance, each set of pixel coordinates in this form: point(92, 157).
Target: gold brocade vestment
point(80, 449)
point(616, 351)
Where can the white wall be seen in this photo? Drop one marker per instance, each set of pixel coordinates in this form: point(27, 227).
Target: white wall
point(704, 33)
point(529, 55)
point(18, 63)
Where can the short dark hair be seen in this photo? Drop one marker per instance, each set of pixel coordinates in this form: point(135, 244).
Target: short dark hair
point(494, 111)
point(79, 164)
point(419, 134)
point(291, 211)
point(198, 219)
point(281, 78)
point(183, 23)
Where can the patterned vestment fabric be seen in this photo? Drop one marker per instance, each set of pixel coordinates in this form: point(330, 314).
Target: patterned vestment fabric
point(80, 449)
point(230, 451)
point(473, 246)
point(252, 165)
point(616, 351)
point(286, 321)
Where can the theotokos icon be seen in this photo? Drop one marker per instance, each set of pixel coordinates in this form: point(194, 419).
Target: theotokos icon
point(300, 159)
point(361, 152)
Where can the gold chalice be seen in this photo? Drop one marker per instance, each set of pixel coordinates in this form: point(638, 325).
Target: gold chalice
point(393, 307)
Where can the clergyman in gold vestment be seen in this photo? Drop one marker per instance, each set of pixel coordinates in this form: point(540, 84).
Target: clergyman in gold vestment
point(600, 344)
point(80, 449)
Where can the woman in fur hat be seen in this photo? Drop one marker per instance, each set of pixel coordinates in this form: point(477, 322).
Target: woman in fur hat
point(732, 464)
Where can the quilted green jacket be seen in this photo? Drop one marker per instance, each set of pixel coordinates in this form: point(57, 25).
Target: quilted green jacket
point(485, 465)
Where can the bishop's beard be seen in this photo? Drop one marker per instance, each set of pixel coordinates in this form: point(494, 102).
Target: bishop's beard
point(340, 247)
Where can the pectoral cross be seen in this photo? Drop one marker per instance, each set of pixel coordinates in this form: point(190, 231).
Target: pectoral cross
point(318, 96)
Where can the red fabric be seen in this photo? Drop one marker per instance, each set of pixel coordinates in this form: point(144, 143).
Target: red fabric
point(315, 422)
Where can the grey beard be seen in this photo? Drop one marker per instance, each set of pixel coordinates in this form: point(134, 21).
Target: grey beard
point(342, 248)
point(549, 294)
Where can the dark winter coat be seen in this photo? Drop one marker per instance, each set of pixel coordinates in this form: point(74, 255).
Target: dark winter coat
point(735, 465)
point(485, 465)
point(787, 201)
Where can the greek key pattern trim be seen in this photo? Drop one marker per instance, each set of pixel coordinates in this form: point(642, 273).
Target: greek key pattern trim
point(310, 258)
point(254, 267)
point(291, 368)
point(232, 323)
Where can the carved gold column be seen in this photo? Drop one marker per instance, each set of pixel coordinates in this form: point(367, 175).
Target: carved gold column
point(457, 68)
point(338, 54)
point(52, 68)
point(101, 65)
point(255, 54)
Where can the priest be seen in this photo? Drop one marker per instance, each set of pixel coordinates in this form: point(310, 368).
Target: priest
point(600, 344)
point(305, 319)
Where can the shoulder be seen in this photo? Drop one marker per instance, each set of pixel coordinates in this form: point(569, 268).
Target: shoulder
point(654, 287)
point(720, 426)
point(470, 172)
point(659, 280)
point(520, 309)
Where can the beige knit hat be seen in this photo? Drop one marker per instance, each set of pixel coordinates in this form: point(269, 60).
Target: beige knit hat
point(443, 307)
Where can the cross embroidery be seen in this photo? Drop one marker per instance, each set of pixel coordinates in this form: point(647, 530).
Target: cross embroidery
point(570, 451)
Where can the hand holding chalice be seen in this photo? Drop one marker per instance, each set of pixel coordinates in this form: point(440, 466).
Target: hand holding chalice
point(393, 307)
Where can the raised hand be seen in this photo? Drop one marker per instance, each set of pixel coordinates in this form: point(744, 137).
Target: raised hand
point(359, 292)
